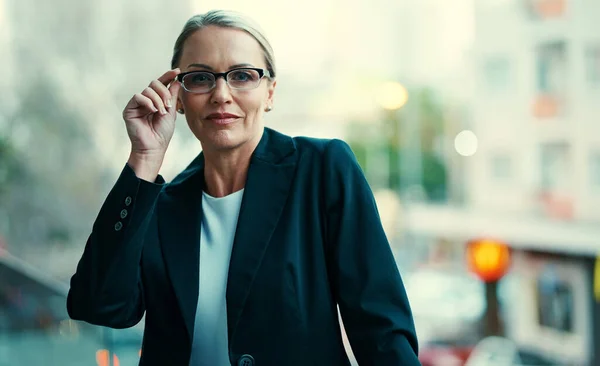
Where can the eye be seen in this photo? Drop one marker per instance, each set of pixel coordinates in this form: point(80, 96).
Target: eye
point(199, 78)
point(243, 75)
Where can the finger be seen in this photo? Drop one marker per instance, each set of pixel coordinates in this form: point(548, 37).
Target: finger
point(156, 99)
point(162, 91)
point(168, 76)
point(144, 102)
point(174, 91)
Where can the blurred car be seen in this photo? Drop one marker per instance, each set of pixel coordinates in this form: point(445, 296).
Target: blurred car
point(447, 306)
point(444, 300)
point(499, 351)
point(444, 354)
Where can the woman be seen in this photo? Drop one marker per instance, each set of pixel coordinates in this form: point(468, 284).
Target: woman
point(245, 257)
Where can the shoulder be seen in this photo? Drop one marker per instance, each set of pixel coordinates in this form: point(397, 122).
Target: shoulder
point(276, 146)
point(329, 151)
point(331, 159)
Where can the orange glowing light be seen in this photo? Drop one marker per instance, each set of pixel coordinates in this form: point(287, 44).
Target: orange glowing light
point(102, 358)
point(488, 259)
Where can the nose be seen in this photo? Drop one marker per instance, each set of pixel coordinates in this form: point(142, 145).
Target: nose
point(221, 94)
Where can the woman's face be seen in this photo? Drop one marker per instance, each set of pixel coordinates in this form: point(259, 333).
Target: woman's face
point(219, 49)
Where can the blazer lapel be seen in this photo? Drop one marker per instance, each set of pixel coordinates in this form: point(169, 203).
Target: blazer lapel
point(179, 221)
point(269, 179)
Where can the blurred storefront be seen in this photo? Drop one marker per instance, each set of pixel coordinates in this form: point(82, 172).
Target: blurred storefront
point(547, 299)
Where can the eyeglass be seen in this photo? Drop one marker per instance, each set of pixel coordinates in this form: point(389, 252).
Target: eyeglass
point(205, 81)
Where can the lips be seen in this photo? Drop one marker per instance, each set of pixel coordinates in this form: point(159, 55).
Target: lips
point(222, 118)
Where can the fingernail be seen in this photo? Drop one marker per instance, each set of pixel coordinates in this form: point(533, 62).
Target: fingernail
point(169, 103)
point(154, 109)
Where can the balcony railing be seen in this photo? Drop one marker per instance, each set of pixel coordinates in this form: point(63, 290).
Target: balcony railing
point(547, 106)
point(557, 206)
point(547, 9)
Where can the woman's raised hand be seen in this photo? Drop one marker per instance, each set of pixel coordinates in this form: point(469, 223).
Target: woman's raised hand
point(150, 121)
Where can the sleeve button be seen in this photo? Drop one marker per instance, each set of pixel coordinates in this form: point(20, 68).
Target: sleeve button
point(128, 201)
point(118, 226)
point(123, 213)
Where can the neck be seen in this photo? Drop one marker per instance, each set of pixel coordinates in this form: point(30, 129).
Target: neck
point(226, 172)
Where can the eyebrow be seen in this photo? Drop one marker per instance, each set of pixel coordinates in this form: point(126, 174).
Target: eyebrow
point(203, 66)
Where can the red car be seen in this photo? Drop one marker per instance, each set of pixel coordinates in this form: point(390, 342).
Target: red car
point(444, 355)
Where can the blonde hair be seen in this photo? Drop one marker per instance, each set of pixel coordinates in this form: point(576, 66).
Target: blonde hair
point(225, 19)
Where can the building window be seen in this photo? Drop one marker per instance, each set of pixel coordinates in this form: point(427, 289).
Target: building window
point(592, 59)
point(501, 168)
point(555, 301)
point(496, 71)
point(551, 68)
point(595, 170)
point(554, 166)
point(551, 80)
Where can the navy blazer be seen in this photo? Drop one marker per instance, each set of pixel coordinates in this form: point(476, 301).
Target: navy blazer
point(308, 239)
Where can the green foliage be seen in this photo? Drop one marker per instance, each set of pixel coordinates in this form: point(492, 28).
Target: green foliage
point(42, 178)
point(401, 150)
point(11, 171)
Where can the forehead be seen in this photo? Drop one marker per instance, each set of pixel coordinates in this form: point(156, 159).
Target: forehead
point(220, 48)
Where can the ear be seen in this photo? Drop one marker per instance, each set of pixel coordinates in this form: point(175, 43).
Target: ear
point(179, 105)
point(270, 93)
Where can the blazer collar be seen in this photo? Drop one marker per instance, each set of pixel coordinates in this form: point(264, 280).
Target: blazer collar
point(180, 215)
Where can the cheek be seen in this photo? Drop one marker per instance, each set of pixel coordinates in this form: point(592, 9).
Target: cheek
point(194, 103)
point(251, 104)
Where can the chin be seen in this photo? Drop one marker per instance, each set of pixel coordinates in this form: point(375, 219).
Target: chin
point(224, 139)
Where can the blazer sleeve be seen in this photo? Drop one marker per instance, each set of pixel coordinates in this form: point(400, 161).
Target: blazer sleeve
point(364, 275)
point(106, 288)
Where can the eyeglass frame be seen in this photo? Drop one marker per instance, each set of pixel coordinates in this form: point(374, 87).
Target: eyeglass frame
point(261, 74)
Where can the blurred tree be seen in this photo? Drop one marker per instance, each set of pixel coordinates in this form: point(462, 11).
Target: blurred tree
point(70, 72)
point(10, 169)
point(430, 129)
point(46, 164)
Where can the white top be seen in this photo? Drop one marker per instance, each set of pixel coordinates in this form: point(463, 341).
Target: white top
point(219, 222)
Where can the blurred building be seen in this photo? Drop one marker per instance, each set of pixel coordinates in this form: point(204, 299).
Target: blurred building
point(532, 178)
point(535, 109)
point(535, 114)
